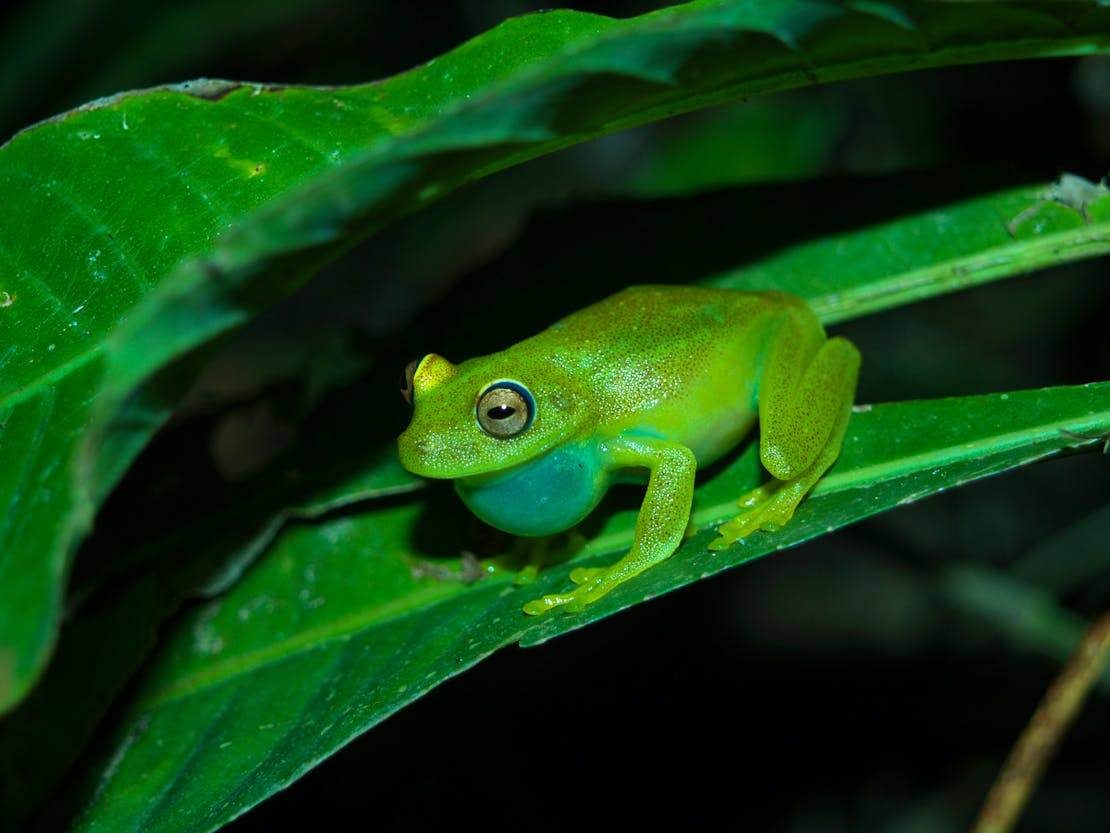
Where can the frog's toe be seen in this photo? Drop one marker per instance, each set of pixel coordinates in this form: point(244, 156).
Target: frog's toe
point(527, 574)
point(584, 575)
point(759, 496)
point(540, 606)
point(574, 600)
point(767, 516)
point(590, 588)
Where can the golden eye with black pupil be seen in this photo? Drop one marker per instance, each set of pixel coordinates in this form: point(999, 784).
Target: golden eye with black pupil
point(407, 376)
point(505, 409)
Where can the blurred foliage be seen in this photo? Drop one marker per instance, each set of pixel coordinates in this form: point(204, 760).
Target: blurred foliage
point(872, 680)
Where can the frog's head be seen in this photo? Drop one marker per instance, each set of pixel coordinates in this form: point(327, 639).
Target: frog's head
point(484, 416)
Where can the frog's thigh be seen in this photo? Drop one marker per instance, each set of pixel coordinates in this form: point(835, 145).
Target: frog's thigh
point(803, 418)
point(660, 525)
point(806, 389)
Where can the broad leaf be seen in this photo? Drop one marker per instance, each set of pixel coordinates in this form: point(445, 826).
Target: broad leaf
point(117, 256)
point(350, 621)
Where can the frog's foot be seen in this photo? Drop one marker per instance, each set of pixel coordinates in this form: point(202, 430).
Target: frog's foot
point(573, 600)
point(593, 583)
point(534, 552)
point(526, 575)
point(768, 507)
point(584, 575)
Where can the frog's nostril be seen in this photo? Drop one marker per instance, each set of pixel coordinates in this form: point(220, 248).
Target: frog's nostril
point(417, 445)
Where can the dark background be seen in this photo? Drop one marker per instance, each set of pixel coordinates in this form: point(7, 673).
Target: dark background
point(847, 685)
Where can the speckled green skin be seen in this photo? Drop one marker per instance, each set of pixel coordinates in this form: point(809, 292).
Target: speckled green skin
point(643, 386)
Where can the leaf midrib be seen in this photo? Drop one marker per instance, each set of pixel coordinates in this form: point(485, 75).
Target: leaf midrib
point(981, 266)
point(896, 468)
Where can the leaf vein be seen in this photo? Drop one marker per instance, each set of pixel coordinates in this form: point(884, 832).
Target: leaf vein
point(12, 513)
point(90, 216)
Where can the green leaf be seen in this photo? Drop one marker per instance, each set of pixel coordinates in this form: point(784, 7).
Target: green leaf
point(951, 248)
point(118, 259)
point(349, 640)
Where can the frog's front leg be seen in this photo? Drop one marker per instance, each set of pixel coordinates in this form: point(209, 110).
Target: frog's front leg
point(805, 399)
point(659, 528)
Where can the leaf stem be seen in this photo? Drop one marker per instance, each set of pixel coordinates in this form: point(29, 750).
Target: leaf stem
point(1038, 743)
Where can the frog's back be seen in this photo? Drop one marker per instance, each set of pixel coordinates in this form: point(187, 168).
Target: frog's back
point(677, 362)
point(654, 322)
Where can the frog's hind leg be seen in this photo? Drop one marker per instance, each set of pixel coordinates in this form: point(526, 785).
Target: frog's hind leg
point(805, 399)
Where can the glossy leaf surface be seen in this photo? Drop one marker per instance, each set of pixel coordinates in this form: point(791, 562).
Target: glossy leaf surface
point(141, 226)
point(350, 620)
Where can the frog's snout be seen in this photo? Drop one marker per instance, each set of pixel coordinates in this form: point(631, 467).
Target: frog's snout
point(409, 449)
point(414, 453)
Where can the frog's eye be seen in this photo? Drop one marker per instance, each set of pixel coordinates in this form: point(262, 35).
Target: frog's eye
point(505, 409)
point(407, 376)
